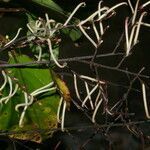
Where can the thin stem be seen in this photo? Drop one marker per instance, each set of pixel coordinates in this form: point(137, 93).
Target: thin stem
point(72, 59)
point(114, 68)
point(115, 105)
point(84, 127)
point(106, 102)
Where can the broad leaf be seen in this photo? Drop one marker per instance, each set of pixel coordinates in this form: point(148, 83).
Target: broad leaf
point(49, 4)
point(41, 115)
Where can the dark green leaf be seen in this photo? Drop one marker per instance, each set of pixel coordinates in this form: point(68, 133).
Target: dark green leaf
point(41, 115)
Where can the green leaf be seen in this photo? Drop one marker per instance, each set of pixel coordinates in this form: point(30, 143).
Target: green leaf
point(49, 4)
point(74, 34)
point(40, 120)
point(41, 115)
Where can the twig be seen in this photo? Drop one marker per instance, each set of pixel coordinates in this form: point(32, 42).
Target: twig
point(4, 133)
point(8, 10)
point(5, 64)
point(37, 63)
point(113, 68)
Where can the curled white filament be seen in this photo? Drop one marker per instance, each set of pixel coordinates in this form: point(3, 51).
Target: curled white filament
point(53, 57)
point(87, 36)
point(91, 92)
point(145, 101)
point(18, 32)
point(138, 28)
point(96, 109)
point(135, 12)
point(75, 10)
point(42, 88)
point(5, 80)
point(99, 15)
point(62, 118)
point(10, 91)
point(58, 110)
point(131, 7)
point(145, 4)
point(76, 87)
point(89, 95)
point(63, 115)
point(13, 93)
point(110, 10)
point(24, 110)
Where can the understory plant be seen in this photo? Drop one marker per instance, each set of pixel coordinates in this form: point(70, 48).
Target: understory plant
point(34, 98)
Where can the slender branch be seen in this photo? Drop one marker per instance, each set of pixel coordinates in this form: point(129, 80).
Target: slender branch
point(37, 63)
point(8, 10)
point(2, 133)
point(113, 68)
point(5, 64)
